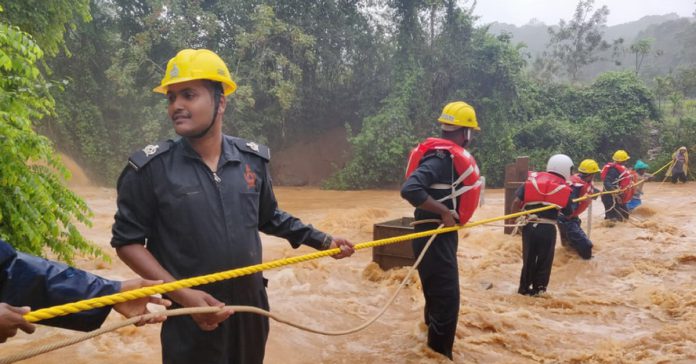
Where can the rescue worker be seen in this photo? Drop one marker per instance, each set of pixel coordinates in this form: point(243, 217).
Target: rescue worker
point(679, 170)
point(195, 206)
point(29, 281)
point(443, 184)
point(616, 176)
point(539, 232)
point(639, 176)
point(570, 226)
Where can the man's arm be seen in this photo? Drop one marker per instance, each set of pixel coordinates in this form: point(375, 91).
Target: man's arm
point(279, 223)
point(414, 188)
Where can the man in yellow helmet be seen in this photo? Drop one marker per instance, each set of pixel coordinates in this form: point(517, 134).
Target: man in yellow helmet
point(443, 183)
point(569, 225)
point(616, 177)
point(195, 206)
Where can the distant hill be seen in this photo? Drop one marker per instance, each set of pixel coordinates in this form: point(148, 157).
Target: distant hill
point(668, 32)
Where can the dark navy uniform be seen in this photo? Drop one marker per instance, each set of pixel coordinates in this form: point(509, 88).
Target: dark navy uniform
point(438, 271)
point(26, 280)
point(570, 228)
point(195, 221)
point(614, 207)
point(538, 248)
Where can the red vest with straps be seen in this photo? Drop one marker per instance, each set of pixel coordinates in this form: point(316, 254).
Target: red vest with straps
point(625, 180)
point(466, 189)
point(585, 188)
point(545, 188)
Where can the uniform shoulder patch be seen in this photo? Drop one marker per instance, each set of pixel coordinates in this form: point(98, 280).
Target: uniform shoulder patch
point(143, 156)
point(247, 146)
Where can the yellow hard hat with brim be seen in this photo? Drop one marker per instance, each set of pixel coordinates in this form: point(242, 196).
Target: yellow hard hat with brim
point(196, 64)
point(459, 114)
point(620, 156)
point(588, 166)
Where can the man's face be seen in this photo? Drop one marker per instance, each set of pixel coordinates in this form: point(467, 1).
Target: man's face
point(191, 107)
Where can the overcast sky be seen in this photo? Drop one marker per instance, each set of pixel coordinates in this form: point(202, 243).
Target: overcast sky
point(519, 12)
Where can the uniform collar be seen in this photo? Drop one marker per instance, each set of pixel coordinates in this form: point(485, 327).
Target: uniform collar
point(229, 152)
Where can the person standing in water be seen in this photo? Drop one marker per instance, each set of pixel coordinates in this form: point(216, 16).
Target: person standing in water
point(443, 184)
point(679, 170)
point(195, 206)
point(616, 176)
point(539, 233)
point(570, 226)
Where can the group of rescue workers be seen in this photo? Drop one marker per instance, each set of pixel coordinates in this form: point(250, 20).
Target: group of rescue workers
point(195, 205)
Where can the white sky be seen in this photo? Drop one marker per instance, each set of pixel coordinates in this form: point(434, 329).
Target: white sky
point(519, 12)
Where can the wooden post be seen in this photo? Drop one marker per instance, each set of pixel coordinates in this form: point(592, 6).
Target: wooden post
point(515, 175)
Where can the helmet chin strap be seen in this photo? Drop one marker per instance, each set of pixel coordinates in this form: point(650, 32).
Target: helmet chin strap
point(468, 138)
point(217, 95)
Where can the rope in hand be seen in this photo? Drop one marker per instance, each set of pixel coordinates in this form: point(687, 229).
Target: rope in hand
point(197, 310)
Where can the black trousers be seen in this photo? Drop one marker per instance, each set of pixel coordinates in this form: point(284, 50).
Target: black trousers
point(614, 209)
point(439, 276)
point(538, 244)
point(241, 339)
point(573, 236)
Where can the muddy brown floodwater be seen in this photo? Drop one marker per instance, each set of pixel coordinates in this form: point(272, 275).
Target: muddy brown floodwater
point(635, 301)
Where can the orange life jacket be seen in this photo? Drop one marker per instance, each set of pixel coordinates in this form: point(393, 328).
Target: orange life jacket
point(585, 188)
point(545, 188)
point(625, 179)
point(466, 189)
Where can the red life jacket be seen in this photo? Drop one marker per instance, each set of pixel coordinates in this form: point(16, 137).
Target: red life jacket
point(585, 188)
point(633, 179)
point(625, 180)
point(466, 189)
point(545, 188)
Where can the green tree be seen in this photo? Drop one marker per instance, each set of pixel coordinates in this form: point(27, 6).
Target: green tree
point(46, 21)
point(640, 49)
point(36, 209)
point(577, 43)
point(380, 147)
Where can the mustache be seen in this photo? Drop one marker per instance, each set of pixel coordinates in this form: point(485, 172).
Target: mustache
point(181, 114)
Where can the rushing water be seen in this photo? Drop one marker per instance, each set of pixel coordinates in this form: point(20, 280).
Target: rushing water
point(635, 301)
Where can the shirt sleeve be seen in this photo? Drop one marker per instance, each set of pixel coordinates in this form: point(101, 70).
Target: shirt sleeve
point(134, 214)
point(414, 190)
point(31, 281)
point(279, 223)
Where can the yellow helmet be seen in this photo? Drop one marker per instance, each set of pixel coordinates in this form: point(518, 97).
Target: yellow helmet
point(196, 64)
point(459, 113)
point(620, 156)
point(588, 166)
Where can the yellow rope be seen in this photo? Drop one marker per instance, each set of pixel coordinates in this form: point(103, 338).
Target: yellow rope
point(97, 302)
point(88, 304)
point(661, 168)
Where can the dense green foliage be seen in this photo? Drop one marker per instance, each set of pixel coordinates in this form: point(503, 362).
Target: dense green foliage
point(46, 21)
point(36, 209)
point(589, 121)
